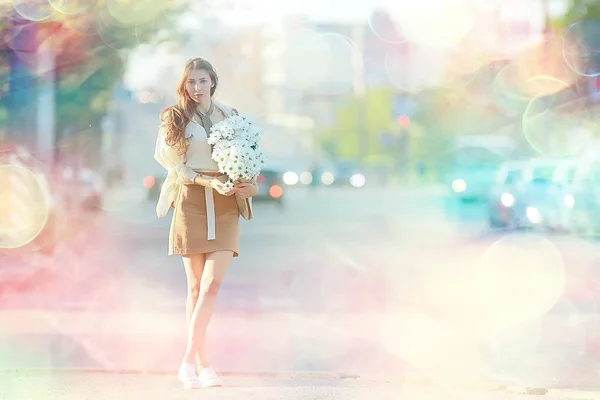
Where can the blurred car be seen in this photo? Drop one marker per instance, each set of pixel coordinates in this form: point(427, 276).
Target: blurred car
point(473, 164)
point(153, 185)
point(46, 239)
point(503, 194)
point(270, 186)
point(584, 217)
point(562, 192)
point(338, 173)
point(536, 202)
point(348, 173)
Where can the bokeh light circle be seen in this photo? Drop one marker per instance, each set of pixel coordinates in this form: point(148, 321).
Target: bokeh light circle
point(86, 23)
point(553, 131)
point(24, 205)
point(514, 88)
point(384, 27)
point(33, 10)
point(581, 47)
point(507, 93)
point(544, 85)
point(71, 7)
point(117, 38)
point(520, 277)
point(130, 12)
point(143, 31)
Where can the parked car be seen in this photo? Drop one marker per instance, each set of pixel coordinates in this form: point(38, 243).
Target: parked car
point(348, 173)
point(270, 186)
point(536, 203)
point(472, 164)
point(584, 217)
point(563, 181)
point(503, 194)
point(153, 185)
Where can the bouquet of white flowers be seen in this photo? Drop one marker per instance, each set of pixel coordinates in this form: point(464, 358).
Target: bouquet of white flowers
point(235, 142)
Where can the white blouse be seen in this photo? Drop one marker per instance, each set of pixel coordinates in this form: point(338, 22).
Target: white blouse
point(181, 168)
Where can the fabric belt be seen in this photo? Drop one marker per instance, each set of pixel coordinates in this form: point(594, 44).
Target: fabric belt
point(211, 219)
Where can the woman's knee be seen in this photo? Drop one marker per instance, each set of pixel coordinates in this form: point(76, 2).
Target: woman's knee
point(210, 288)
point(194, 289)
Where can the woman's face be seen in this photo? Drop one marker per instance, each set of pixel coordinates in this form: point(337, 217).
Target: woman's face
point(198, 85)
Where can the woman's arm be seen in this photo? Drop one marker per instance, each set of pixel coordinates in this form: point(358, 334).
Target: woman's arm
point(159, 150)
point(173, 160)
point(203, 180)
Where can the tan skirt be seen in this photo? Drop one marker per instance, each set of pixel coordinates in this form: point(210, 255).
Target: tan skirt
point(189, 226)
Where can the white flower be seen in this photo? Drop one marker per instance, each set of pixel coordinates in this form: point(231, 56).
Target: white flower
point(228, 185)
point(236, 151)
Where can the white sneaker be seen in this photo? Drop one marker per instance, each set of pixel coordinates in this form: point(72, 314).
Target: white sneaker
point(188, 376)
point(208, 378)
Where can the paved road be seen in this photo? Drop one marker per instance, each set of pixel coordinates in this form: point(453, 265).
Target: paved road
point(363, 281)
point(102, 386)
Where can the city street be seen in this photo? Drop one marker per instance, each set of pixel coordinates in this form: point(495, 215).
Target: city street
point(397, 282)
point(430, 223)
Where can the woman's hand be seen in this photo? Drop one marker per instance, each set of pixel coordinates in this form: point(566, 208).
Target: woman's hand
point(220, 187)
point(246, 189)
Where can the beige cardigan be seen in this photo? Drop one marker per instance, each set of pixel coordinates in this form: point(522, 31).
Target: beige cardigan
point(178, 173)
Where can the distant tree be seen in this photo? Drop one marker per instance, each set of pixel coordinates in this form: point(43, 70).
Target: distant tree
point(90, 50)
point(583, 20)
point(580, 10)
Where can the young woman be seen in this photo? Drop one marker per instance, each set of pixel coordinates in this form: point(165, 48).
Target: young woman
point(204, 228)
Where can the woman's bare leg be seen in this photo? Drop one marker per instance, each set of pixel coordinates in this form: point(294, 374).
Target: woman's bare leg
point(214, 271)
point(194, 265)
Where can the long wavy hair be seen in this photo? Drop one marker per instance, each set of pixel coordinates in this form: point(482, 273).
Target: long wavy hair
point(174, 119)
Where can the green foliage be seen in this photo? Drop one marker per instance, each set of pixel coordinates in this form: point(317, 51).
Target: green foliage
point(359, 123)
point(84, 89)
point(91, 49)
point(580, 10)
point(588, 12)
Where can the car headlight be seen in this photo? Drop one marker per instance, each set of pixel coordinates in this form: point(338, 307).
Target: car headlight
point(533, 215)
point(306, 178)
point(507, 200)
point(290, 178)
point(459, 185)
point(569, 201)
point(358, 180)
point(327, 178)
